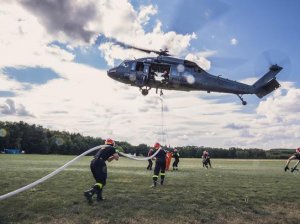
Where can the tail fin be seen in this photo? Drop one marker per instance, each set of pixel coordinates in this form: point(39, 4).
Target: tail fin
point(268, 82)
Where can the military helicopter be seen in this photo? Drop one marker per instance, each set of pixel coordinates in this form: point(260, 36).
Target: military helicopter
point(165, 72)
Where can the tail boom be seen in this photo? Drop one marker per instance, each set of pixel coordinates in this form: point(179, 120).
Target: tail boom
point(267, 83)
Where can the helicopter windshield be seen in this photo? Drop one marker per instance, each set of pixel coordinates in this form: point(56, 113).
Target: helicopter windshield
point(124, 64)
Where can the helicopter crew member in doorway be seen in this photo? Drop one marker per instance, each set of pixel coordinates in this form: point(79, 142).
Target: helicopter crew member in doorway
point(176, 157)
point(150, 163)
point(160, 165)
point(296, 155)
point(99, 169)
point(165, 75)
point(206, 159)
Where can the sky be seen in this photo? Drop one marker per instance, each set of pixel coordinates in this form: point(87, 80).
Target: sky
point(55, 55)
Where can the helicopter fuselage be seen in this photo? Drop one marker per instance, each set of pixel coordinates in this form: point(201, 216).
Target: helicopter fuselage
point(170, 73)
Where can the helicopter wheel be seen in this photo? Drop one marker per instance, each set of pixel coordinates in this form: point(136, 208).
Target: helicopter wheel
point(243, 101)
point(145, 92)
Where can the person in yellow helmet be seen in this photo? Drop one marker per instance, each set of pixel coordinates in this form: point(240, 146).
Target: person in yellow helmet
point(99, 169)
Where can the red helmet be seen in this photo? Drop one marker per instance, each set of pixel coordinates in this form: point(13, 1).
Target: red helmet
point(156, 145)
point(298, 150)
point(109, 141)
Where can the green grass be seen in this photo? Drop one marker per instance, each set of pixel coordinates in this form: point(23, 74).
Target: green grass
point(234, 191)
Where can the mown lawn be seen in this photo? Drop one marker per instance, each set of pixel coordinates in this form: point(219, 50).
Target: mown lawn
point(234, 191)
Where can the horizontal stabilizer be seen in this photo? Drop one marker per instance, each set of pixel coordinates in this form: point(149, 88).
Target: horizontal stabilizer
point(268, 88)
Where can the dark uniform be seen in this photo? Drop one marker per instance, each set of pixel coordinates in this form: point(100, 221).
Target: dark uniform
point(175, 163)
point(150, 163)
point(160, 167)
point(294, 156)
point(206, 159)
point(99, 170)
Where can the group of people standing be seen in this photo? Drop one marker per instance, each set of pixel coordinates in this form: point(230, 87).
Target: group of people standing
point(169, 155)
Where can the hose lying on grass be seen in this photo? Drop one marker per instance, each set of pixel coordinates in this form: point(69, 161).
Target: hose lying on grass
point(29, 186)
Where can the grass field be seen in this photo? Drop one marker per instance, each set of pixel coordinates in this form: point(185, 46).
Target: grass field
point(234, 191)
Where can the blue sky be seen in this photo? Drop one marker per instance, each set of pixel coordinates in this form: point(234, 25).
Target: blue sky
point(54, 57)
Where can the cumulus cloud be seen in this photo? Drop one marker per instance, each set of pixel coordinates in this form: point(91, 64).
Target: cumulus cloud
point(10, 108)
point(79, 22)
point(24, 42)
point(145, 13)
point(201, 58)
point(68, 18)
point(233, 41)
point(282, 107)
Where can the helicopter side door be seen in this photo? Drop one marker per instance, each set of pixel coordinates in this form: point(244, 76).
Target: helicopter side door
point(159, 73)
point(141, 73)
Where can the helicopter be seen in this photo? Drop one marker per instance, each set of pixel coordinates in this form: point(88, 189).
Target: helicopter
point(165, 72)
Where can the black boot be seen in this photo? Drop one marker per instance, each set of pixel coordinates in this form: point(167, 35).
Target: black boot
point(286, 168)
point(154, 184)
point(89, 194)
point(99, 195)
point(161, 182)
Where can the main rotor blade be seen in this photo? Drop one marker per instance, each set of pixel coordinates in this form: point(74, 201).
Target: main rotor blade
point(226, 62)
point(161, 52)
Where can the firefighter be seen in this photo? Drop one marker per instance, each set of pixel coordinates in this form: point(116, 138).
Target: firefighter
point(176, 157)
point(99, 170)
point(160, 165)
point(150, 163)
point(206, 159)
point(296, 155)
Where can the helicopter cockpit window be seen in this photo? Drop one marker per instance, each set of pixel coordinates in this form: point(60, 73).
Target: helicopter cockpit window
point(124, 64)
point(133, 66)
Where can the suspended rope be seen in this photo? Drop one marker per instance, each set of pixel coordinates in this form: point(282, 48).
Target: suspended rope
point(164, 135)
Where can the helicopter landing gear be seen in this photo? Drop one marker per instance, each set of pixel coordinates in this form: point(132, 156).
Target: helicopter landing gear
point(145, 91)
point(241, 98)
point(161, 92)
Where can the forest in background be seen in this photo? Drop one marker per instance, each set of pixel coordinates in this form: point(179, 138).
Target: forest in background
point(35, 139)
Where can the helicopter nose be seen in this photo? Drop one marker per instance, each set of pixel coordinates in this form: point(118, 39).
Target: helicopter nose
point(112, 73)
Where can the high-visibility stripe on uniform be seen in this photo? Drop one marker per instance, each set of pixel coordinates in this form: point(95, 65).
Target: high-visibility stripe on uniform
point(154, 176)
point(99, 184)
point(162, 174)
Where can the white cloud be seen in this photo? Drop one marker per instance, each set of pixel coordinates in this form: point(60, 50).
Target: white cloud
point(200, 59)
point(233, 41)
point(145, 13)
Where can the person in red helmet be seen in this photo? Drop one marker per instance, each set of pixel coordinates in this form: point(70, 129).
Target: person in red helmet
point(160, 165)
point(206, 159)
point(99, 169)
point(296, 155)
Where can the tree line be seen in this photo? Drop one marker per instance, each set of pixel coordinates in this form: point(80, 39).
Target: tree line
point(34, 139)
